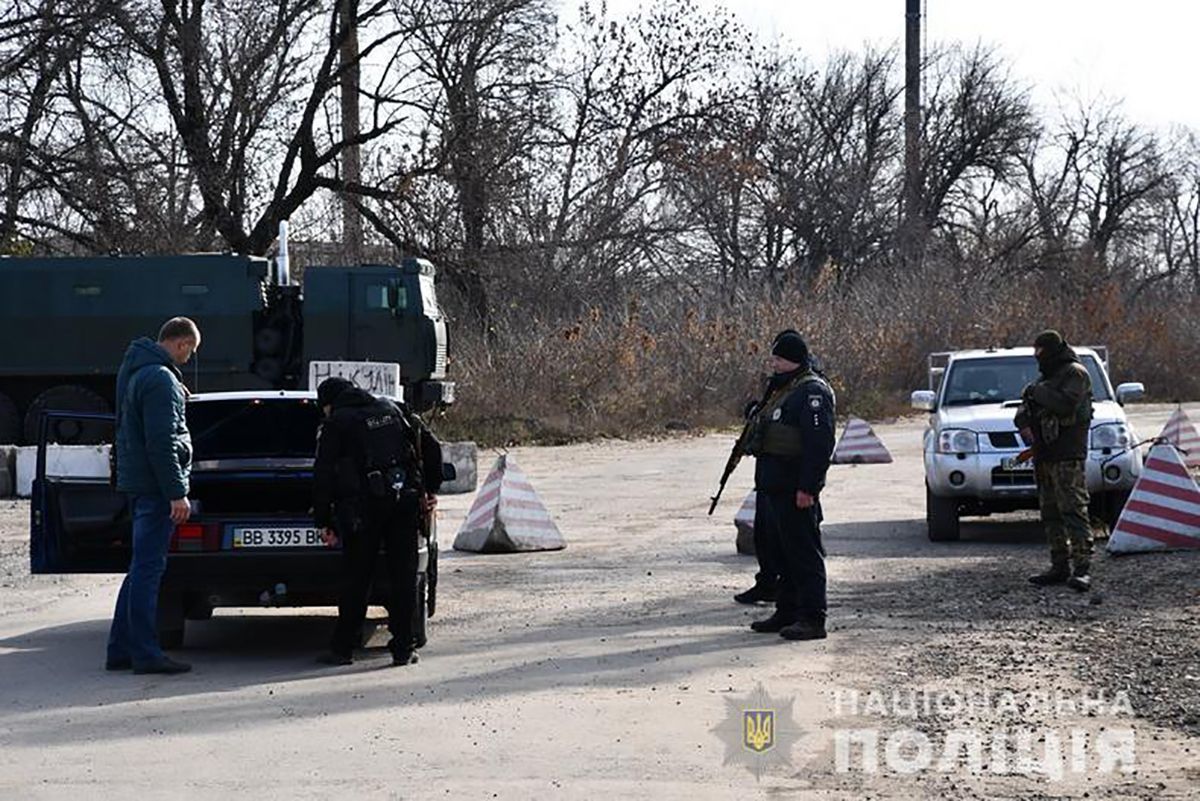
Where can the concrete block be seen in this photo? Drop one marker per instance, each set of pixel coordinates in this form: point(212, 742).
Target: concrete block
point(67, 461)
point(465, 458)
point(8, 470)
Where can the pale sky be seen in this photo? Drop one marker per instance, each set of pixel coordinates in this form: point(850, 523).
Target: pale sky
point(1146, 53)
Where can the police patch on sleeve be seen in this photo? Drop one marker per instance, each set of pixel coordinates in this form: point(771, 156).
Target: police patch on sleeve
point(814, 401)
point(778, 413)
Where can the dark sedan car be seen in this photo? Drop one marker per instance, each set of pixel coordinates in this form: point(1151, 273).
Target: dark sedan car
point(250, 540)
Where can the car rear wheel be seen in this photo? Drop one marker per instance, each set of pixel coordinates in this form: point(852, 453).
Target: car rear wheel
point(420, 616)
point(941, 515)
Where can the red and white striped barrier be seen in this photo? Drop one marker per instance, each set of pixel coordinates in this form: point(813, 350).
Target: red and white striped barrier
point(1180, 432)
point(859, 445)
point(1163, 512)
point(508, 516)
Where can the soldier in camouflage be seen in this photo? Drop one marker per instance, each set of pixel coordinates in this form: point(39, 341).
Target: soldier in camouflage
point(1055, 418)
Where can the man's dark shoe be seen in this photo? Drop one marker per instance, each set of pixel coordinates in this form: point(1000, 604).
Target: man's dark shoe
point(804, 630)
point(167, 666)
point(1055, 575)
point(334, 658)
point(405, 658)
point(118, 664)
point(1080, 583)
point(759, 593)
point(773, 624)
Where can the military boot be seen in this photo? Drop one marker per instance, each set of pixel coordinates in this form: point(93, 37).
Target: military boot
point(773, 624)
point(1057, 574)
point(807, 629)
point(1080, 580)
point(757, 593)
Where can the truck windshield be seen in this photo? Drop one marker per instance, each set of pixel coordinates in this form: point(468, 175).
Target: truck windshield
point(237, 429)
point(1000, 379)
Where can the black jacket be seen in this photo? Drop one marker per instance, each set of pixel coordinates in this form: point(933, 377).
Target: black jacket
point(811, 409)
point(365, 433)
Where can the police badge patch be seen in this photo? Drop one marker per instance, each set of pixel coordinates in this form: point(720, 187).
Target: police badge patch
point(778, 413)
point(814, 401)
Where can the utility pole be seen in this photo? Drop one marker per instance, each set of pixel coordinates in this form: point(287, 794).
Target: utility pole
point(912, 237)
point(352, 229)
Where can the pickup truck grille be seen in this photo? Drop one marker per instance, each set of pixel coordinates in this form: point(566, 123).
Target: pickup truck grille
point(1013, 478)
point(1003, 439)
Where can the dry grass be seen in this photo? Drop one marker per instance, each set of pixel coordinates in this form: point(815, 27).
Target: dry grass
point(667, 363)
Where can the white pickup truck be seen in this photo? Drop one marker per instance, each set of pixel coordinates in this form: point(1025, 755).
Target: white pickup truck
point(970, 443)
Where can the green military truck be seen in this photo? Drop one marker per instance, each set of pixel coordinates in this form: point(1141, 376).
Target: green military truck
point(67, 322)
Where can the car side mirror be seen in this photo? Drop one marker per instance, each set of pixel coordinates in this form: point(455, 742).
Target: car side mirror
point(1132, 391)
point(924, 400)
point(449, 473)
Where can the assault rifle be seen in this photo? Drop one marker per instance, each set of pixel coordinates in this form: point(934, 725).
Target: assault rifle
point(735, 456)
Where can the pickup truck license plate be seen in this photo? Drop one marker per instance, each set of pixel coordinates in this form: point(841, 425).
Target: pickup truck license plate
point(1010, 463)
point(276, 537)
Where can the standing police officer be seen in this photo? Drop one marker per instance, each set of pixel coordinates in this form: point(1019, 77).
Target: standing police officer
point(792, 439)
point(376, 472)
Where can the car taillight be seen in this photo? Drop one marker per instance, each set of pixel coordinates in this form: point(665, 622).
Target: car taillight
point(188, 537)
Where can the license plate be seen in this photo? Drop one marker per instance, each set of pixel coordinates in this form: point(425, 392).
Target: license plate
point(276, 537)
point(1010, 463)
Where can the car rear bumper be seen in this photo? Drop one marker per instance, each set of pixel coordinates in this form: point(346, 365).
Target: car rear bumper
point(230, 578)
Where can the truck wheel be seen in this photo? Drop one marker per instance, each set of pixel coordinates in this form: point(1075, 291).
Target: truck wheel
point(68, 398)
point(1107, 506)
point(10, 421)
point(420, 619)
point(941, 515)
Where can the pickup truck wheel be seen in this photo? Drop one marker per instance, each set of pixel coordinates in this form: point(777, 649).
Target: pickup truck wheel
point(1107, 506)
point(68, 398)
point(941, 515)
point(420, 618)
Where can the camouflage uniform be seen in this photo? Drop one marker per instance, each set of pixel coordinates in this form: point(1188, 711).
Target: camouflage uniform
point(1057, 412)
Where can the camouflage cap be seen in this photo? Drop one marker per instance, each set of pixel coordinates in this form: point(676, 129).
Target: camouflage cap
point(1050, 340)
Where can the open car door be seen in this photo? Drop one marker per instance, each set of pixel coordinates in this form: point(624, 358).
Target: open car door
point(78, 524)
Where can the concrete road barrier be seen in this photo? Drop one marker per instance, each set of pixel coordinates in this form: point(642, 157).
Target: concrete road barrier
point(8, 470)
point(465, 458)
point(75, 461)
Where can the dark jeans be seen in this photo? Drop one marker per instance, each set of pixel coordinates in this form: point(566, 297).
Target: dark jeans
point(794, 537)
point(134, 631)
point(395, 528)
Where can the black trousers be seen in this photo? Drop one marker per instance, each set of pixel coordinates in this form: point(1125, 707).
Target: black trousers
point(766, 550)
point(393, 527)
point(793, 539)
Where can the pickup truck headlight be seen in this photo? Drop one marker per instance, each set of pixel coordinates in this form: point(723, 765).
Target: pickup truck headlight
point(958, 440)
point(1110, 435)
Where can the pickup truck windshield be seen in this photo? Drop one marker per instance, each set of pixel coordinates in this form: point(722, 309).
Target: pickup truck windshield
point(1001, 379)
point(238, 429)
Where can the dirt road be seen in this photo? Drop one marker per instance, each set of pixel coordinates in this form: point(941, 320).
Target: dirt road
point(620, 668)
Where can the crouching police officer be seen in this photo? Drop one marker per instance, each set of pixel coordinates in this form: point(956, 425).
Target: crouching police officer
point(376, 472)
point(792, 438)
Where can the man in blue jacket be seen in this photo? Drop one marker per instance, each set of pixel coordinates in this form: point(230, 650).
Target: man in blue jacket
point(792, 440)
point(154, 456)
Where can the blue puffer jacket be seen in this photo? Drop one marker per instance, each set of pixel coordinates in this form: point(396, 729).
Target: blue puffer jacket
point(154, 449)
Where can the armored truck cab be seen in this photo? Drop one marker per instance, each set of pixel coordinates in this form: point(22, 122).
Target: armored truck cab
point(67, 322)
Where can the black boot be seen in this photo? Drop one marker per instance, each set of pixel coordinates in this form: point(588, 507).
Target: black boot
point(808, 629)
point(775, 623)
point(1057, 574)
point(1080, 580)
point(401, 658)
point(758, 593)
